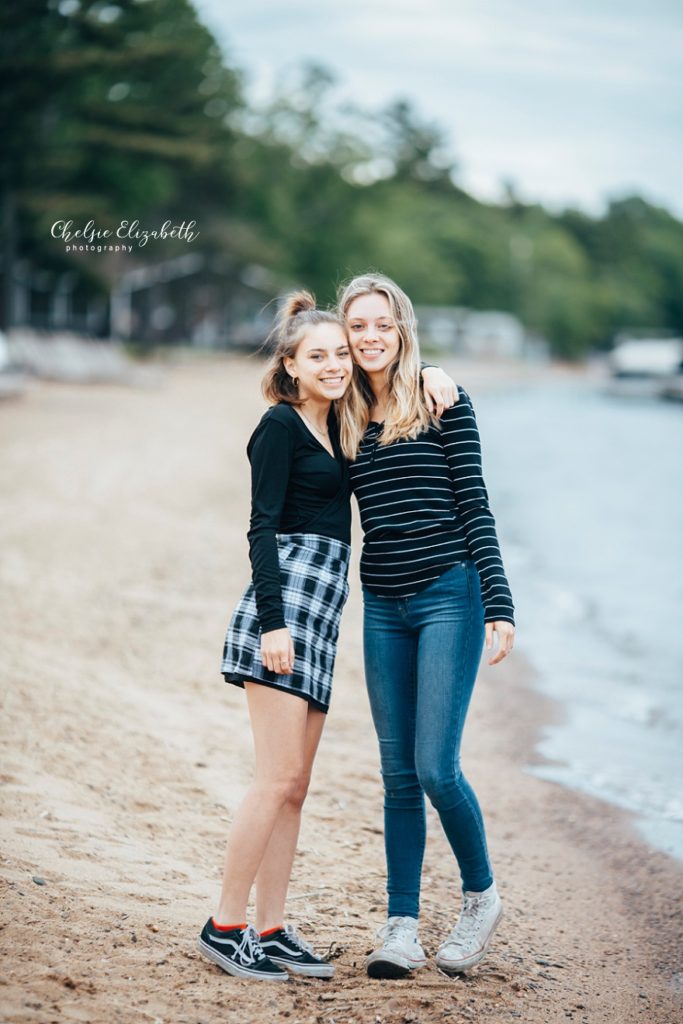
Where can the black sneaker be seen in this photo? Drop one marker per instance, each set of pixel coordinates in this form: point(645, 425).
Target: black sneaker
point(238, 952)
point(283, 946)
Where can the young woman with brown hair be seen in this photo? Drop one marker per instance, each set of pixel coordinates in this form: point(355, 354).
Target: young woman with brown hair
point(281, 642)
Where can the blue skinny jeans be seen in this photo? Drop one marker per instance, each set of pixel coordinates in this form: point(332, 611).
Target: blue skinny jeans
point(421, 659)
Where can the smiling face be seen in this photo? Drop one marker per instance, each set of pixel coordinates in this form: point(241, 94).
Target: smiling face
point(322, 362)
point(375, 340)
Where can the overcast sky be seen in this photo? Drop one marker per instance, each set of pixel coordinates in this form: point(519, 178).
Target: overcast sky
point(574, 101)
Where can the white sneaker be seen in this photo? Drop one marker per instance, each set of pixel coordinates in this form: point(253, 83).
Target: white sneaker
point(400, 952)
point(471, 936)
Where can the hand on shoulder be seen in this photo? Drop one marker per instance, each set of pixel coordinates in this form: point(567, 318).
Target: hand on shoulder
point(463, 406)
point(440, 390)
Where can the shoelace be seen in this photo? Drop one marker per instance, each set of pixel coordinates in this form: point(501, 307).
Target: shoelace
point(249, 950)
point(293, 936)
point(394, 933)
point(467, 922)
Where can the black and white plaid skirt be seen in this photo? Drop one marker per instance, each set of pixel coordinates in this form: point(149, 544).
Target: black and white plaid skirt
point(314, 573)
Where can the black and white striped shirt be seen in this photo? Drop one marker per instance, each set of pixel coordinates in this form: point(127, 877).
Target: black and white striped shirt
point(424, 506)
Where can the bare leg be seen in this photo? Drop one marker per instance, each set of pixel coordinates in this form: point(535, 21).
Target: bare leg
point(272, 880)
point(279, 725)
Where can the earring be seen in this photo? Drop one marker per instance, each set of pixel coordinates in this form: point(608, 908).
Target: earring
point(295, 381)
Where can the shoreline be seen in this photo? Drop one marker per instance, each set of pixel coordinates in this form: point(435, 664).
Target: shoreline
point(126, 752)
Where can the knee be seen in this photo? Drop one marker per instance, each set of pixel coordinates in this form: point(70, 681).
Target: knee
point(293, 788)
point(298, 791)
point(401, 784)
point(288, 787)
point(439, 785)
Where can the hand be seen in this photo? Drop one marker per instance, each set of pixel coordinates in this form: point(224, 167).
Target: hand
point(277, 651)
point(505, 632)
point(440, 391)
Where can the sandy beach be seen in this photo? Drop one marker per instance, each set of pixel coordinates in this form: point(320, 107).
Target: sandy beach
point(124, 754)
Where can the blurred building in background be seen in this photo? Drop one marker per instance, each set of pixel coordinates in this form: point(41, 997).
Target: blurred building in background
point(479, 335)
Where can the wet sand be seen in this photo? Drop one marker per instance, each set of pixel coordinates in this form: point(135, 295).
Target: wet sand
point(124, 754)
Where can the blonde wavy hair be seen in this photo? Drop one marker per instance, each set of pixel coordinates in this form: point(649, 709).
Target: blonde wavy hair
point(296, 317)
point(406, 412)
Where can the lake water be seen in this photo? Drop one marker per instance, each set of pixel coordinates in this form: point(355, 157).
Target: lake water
point(588, 495)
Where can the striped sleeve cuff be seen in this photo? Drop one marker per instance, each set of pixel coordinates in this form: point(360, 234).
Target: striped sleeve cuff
point(499, 612)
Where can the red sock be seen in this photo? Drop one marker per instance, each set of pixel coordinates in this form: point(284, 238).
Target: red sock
point(226, 927)
point(277, 928)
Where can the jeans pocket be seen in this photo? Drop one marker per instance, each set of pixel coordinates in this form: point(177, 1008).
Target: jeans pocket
point(456, 577)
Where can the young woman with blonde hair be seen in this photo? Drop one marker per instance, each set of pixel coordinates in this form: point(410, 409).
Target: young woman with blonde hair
point(434, 588)
point(281, 642)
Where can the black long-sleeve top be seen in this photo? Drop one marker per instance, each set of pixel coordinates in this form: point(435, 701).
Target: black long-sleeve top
point(296, 487)
point(424, 506)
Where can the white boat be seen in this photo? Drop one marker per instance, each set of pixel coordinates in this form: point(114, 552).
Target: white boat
point(642, 367)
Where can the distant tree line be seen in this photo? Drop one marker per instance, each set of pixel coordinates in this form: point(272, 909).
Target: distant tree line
point(123, 109)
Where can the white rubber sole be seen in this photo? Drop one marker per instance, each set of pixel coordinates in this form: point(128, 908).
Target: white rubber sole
point(234, 969)
point(458, 966)
point(391, 965)
point(306, 970)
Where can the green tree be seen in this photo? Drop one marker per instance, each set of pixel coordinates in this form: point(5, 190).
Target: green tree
point(109, 111)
